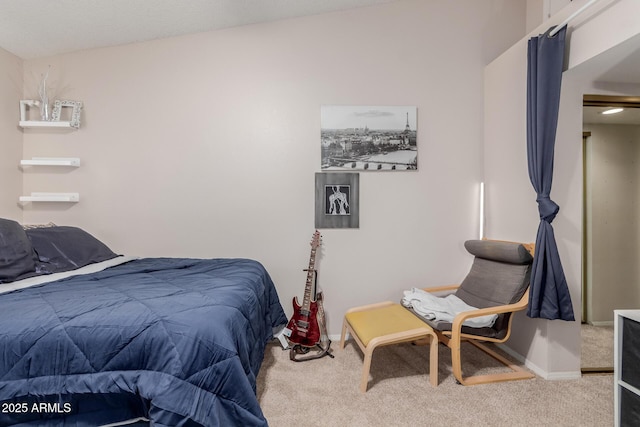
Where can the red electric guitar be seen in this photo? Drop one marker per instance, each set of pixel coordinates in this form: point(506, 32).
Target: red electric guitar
point(304, 325)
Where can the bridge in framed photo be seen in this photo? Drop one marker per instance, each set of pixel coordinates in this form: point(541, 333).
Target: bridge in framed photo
point(361, 138)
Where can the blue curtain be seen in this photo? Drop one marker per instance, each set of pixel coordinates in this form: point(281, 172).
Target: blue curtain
point(549, 294)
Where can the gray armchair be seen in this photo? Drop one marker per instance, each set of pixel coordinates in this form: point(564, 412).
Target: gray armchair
point(498, 283)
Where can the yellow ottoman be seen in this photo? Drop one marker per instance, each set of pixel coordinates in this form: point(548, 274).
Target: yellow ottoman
point(387, 323)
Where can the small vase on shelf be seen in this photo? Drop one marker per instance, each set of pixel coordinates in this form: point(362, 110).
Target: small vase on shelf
point(44, 99)
point(44, 110)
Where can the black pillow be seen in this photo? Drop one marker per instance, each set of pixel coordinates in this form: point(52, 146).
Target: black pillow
point(64, 248)
point(16, 254)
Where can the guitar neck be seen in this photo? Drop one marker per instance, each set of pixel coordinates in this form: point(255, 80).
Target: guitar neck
point(307, 288)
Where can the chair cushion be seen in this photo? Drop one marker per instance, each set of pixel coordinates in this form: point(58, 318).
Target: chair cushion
point(499, 275)
point(497, 331)
point(381, 321)
point(491, 283)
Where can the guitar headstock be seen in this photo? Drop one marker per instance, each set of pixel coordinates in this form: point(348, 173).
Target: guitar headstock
point(316, 240)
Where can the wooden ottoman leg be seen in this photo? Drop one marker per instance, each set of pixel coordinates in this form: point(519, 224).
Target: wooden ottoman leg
point(433, 360)
point(368, 354)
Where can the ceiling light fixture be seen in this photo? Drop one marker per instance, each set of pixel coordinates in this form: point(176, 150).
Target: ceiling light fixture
point(613, 111)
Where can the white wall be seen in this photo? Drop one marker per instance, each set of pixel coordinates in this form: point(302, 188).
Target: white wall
point(551, 347)
point(538, 11)
point(207, 145)
point(10, 135)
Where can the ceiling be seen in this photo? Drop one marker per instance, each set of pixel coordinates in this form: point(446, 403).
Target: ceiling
point(616, 70)
point(620, 64)
point(630, 116)
point(39, 28)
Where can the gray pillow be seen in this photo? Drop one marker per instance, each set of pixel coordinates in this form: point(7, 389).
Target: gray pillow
point(16, 253)
point(510, 252)
point(63, 248)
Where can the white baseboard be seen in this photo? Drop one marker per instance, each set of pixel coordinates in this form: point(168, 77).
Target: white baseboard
point(603, 323)
point(336, 337)
point(561, 376)
point(567, 375)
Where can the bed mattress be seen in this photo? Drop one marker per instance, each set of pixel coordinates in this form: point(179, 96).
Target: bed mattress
point(178, 342)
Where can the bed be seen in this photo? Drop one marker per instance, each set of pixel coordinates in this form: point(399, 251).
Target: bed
point(90, 338)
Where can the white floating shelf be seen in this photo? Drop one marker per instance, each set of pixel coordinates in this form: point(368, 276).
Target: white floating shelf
point(51, 161)
point(44, 124)
point(51, 197)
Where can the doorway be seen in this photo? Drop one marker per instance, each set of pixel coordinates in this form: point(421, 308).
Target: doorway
point(611, 230)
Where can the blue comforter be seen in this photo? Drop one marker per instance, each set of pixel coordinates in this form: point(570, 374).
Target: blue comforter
point(175, 341)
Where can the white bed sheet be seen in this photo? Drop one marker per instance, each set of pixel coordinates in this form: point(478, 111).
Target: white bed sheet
point(38, 280)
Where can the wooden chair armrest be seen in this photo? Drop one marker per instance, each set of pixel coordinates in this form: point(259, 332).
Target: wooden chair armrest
point(456, 327)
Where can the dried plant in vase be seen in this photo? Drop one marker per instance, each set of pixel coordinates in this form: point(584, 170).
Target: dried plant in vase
point(44, 98)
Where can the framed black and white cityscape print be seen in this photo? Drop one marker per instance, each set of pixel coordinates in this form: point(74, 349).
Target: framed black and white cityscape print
point(368, 138)
point(337, 200)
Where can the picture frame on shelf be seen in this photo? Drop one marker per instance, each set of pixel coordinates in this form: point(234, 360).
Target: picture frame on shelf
point(76, 110)
point(25, 106)
point(337, 200)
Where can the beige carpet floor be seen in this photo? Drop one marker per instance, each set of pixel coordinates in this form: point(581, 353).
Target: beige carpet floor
point(325, 392)
point(597, 346)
